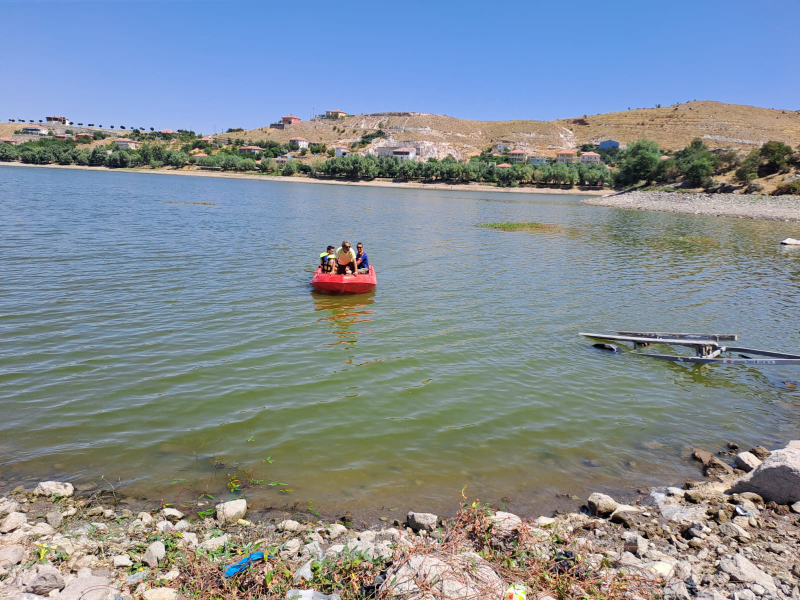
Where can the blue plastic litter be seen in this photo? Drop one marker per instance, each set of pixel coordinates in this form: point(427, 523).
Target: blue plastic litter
point(244, 563)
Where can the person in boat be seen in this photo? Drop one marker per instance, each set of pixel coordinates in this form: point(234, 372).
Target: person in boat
point(362, 261)
point(327, 259)
point(345, 259)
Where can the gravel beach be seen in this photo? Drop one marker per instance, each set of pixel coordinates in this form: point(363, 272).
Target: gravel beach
point(733, 534)
point(770, 208)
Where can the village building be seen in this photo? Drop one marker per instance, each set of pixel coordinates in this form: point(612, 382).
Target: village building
point(405, 153)
point(590, 158)
point(301, 142)
point(199, 155)
point(290, 120)
point(34, 130)
point(11, 141)
point(126, 144)
point(64, 136)
point(664, 157)
point(251, 149)
point(517, 156)
point(277, 126)
point(567, 157)
point(60, 120)
point(608, 144)
point(205, 139)
point(84, 135)
point(335, 114)
point(341, 151)
point(537, 160)
point(499, 148)
point(504, 166)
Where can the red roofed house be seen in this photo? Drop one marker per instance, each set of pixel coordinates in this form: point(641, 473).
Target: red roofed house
point(504, 166)
point(251, 149)
point(301, 142)
point(205, 139)
point(11, 141)
point(405, 153)
point(517, 156)
point(62, 120)
point(168, 131)
point(567, 157)
point(590, 157)
point(89, 135)
point(290, 120)
point(126, 144)
point(335, 114)
point(199, 155)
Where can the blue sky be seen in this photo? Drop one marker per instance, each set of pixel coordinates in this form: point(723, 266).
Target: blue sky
point(206, 64)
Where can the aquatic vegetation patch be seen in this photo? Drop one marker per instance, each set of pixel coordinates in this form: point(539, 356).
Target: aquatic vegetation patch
point(692, 240)
point(523, 226)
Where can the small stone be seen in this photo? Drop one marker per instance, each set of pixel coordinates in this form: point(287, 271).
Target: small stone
point(742, 570)
point(422, 521)
point(310, 595)
point(747, 462)
point(145, 518)
point(291, 548)
point(214, 544)
point(47, 579)
point(13, 521)
point(796, 507)
point(367, 536)
point(289, 525)
point(602, 505)
point(758, 590)
point(94, 511)
point(190, 539)
point(172, 514)
point(87, 588)
point(123, 560)
point(182, 525)
point(244, 523)
point(161, 594)
point(744, 595)
point(11, 555)
point(155, 552)
point(760, 452)
point(335, 531)
point(54, 518)
point(54, 488)
point(634, 543)
point(504, 525)
point(232, 511)
point(544, 521)
point(733, 530)
point(70, 512)
point(8, 506)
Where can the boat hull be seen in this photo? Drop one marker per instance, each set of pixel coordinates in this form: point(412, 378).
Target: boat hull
point(344, 284)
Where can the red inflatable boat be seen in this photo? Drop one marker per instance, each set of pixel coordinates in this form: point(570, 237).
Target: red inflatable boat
point(344, 284)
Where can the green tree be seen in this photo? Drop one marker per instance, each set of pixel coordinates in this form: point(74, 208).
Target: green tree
point(8, 152)
point(777, 155)
point(638, 163)
point(290, 168)
point(749, 167)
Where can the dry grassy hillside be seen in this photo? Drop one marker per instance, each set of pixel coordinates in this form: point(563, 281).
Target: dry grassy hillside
point(673, 127)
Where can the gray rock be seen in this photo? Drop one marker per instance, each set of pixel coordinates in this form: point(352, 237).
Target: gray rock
point(172, 514)
point(13, 521)
point(303, 573)
point(544, 521)
point(442, 576)
point(310, 595)
point(87, 588)
point(11, 555)
point(182, 525)
point(154, 554)
point(742, 570)
point(634, 543)
point(190, 539)
point(8, 506)
point(230, 512)
point(54, 488)
point(289, 525)
point(291, 548)
point(123, 560)
point(504, 525)
point(744, 595)
point(747, 462)
point(758, 589)
point(146, 518)
point(335, 531)
point(47, 579)
point(777, 479)
point(733, 530)
point(161, 594)
point(214, 544)
point(422, 521)
point(312, 549)
point(137, 577)
point(762, 453)
point(796, 507)
point(602, 505)
point(54, 518)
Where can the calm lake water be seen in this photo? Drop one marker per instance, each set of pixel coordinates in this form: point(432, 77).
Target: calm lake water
point(166, 346)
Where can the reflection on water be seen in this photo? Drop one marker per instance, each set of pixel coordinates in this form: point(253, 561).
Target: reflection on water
point(150, 342)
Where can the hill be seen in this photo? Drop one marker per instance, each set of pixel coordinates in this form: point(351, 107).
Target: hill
point(673, 127)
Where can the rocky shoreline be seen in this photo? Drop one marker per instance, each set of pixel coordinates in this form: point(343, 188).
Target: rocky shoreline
point(734, 534)
point(742, 206)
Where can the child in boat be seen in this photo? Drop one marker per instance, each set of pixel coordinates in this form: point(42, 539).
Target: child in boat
point(327, 259)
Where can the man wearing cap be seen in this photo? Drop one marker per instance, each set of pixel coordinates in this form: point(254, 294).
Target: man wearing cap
point(345, 259)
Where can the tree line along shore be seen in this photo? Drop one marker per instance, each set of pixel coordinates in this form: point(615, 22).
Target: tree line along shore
point(772, 168)
point(732, 535)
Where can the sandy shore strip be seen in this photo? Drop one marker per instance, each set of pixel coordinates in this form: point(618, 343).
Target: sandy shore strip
point(734, 534)
point(463, 187)
point(770, 208)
